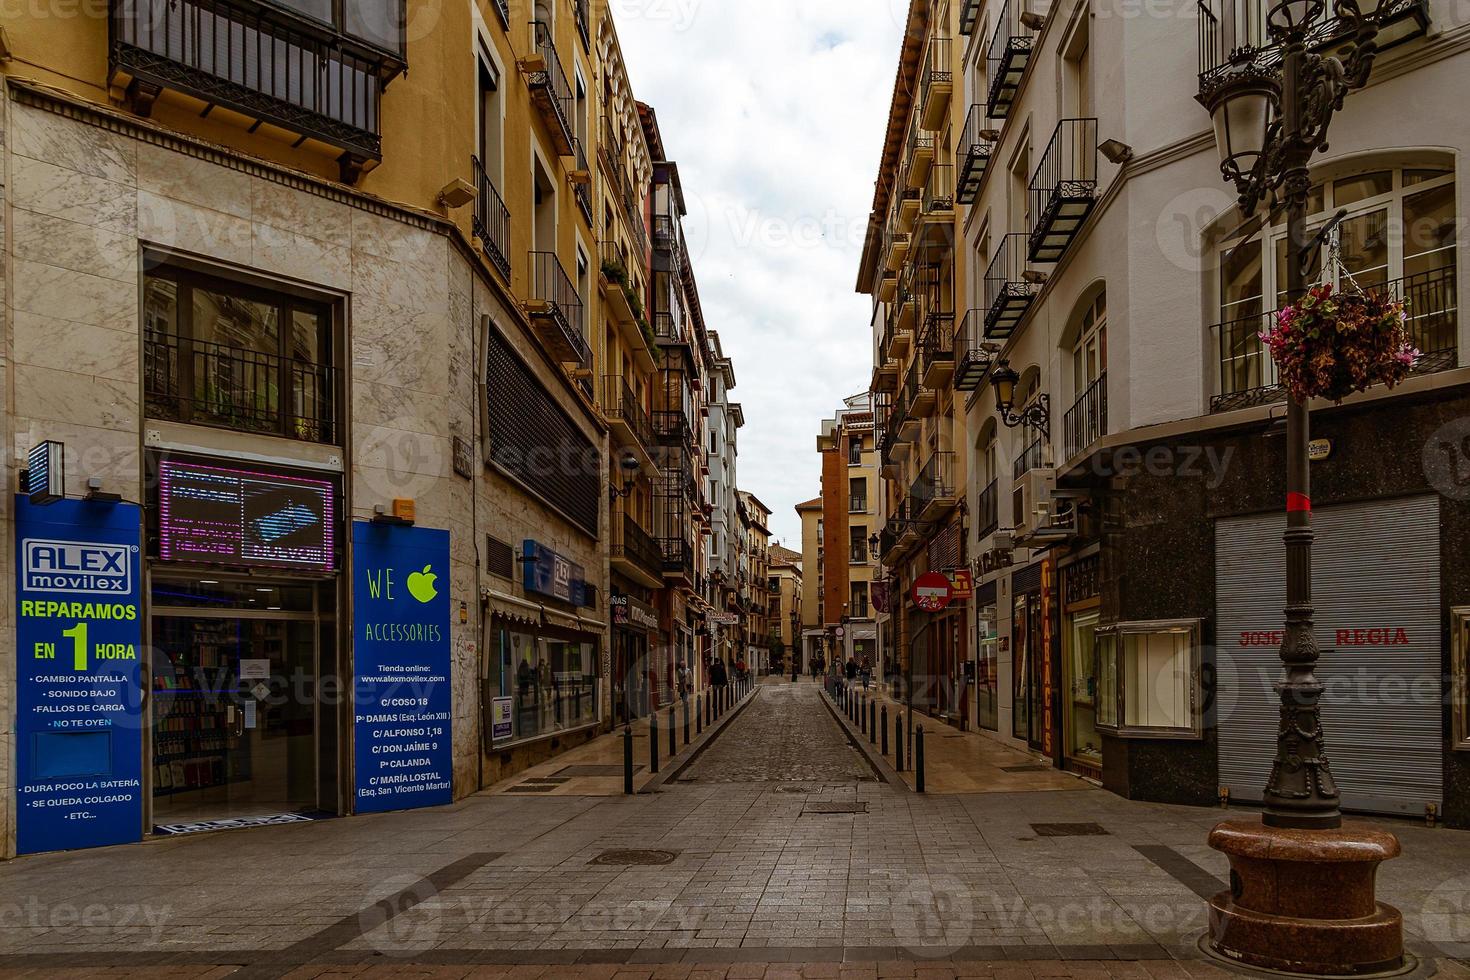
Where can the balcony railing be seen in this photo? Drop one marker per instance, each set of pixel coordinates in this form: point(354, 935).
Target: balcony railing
point(1233, 36)
point(1030, 459)
point(582, 188)
point(664, 231)
point(1247, 375)
point(939, 191)
point(678, 556)
point(1063, 189)
point(920, 155)
point(974, 155)
point(666, 328)
point(550, 89)
point(936, 349)
point(987, 509)
point(555, 304)
point(937, 82)
point(969, 16)
point(492, 220)
point(934, 488)
point(971, 360)
point(205, 383)
point(1087, 420)
point(631, 543)
point(622, 408)
point(1007, 58)
point(267, 64)
point(612, 149)
point(1008, 293)
point(672, 428)
point(581, 8)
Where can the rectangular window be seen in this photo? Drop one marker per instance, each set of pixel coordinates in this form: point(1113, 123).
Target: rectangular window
point(855, 451)
point(1148, 677)
point(857, 545)
point(857, 495)
point(858, 608)
point(224, 354)
point(552, 683)
point(1460, 676)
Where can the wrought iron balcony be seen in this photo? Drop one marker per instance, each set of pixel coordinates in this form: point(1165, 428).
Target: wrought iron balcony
point(672, 427)
point(635, 550)
point(939, 193)
point(1087, 420)
point(1233, 36)
point(1247, 374)
point(321, 80)
point(629, 420)
point(226, 387)
point(921, 400)
point(665, 231)
point(969, 16)
point(908, 205)
point(666, 328)
point(1030, 459)
point(550, 89)
point(895, 248)
point(934, 491)
point(611, 148)
point(1008, 56)
point(971, 360)
point(581, 8)
point(492, 220)
point(556, 308)
point(1008, 293)
point(974, 155)
point(936, 349)
point(1063, 189)
point(582, 181)
point(920, 155)
point(987, 509)
point(936, 82)
point(678, 555)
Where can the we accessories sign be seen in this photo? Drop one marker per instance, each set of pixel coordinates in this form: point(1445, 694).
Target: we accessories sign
point(89, 568)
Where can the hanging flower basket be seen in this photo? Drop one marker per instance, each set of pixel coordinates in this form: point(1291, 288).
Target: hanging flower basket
point(1331, 345)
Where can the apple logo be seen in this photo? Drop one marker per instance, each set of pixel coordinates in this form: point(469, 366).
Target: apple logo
point(421, 584)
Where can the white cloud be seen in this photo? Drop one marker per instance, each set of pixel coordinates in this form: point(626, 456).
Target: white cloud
point(775, 111)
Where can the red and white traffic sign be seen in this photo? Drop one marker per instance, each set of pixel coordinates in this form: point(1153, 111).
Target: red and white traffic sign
point(932, 592)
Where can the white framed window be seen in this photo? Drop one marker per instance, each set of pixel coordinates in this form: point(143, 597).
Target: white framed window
point(1148, 679)
point(1090, 354)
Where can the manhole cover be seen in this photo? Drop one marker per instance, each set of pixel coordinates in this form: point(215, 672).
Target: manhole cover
point(835, 808)
point(792, 789)
point(532, 788)
point(631, 858)
point(614, 770)
point(1031, 768)
point(1068, 830)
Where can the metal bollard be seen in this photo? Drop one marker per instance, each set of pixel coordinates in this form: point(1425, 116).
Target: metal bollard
point(698, 716)
point(862, 716)
point(653, 741)
point(919, 759)
point(911, 747)
point(872, 722)
point(673, 733)
point(709, 709)
point(884, 728)
point(627, 760)
point(686, 719)
point(898, 744)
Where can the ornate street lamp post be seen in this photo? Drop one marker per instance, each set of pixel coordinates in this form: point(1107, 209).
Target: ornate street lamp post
point(1302, 895)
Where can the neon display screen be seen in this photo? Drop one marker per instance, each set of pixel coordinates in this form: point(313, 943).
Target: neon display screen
point(233, 516)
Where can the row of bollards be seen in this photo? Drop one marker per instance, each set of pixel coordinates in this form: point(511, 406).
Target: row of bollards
point(707, 709)
point(862, 709)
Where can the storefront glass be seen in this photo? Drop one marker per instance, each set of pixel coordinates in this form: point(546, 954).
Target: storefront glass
point(551, 680)
point(1083, 743)
point(987, 676)
point(1020, 669)
point(1148, 679)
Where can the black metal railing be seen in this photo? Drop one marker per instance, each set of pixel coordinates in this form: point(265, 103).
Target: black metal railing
point(631, 542)
point(935, 482)
point(614, 257)
point(1064, 188)
point(971, 360)
point(582, 189)
point(920, 139)
point(671, 427)
point(969, 16)
point(1247, 375)
point(227, 387)
point(620, 404)
point(938, 68)
point(987, 508)
point(1030, 459)
point(292, 72)
point(1007, 292)
point(666, 327)
point(492, 220)
point(678, 555)
point(1087, 420)
point(1007, 58)
point(936, 347)
point(554, 298)
point(973, 154)
point(581, 9)
point(664, 231)
point(612, 149)
point(939, 189)
point(551, 82)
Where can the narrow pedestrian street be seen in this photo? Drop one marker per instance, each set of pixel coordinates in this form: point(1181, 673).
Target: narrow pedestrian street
point(777, 850)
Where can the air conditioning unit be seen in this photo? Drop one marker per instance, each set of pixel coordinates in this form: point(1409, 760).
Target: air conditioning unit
point(1032, 501)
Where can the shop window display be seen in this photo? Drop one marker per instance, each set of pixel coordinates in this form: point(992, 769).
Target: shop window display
point(1460, 681)
point(552, 682)
point(1084, 742)
point(1148, 679)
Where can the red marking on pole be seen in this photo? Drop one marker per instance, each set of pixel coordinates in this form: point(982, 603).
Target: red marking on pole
point(1297, 503)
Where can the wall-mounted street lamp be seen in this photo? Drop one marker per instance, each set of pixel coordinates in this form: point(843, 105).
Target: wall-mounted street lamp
point(1036, 415)
point(630, 466)
point(873, 544)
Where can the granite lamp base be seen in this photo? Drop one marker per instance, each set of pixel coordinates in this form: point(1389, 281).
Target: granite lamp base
point(1302, 901)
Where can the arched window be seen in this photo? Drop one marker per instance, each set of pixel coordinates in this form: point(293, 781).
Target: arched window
point(1397, 234)
point(1090, 353)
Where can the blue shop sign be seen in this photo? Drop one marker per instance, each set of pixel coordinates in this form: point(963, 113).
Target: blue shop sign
point(79, 677)
point(551, 574)
point(400, 652)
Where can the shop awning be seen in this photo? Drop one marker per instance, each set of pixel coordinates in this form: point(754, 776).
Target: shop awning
point(509, 607)
point(566, 621)
point(592, 625)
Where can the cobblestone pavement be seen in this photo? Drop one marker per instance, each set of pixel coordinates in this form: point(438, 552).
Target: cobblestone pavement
point(727, 881)
point(786, 735)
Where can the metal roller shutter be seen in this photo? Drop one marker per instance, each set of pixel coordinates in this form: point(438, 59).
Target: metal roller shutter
point(1375, 574)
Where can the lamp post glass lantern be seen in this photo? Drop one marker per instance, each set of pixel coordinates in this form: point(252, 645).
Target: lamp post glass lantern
point(1302, 897)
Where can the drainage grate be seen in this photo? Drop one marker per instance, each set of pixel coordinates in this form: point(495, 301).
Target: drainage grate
point(835, 808)
point(1031, 768)
point(613, 770)
point(793, 789)
point(532, 788)
point(633, 858)
point(552, 780)
point(1069, 830)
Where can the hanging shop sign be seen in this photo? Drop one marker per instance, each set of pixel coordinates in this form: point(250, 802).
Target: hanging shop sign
point(400, 652)
point(1048, 679)
point(879, 593)
point(79, 678)
point(1319, 450)
point(628, 611)
point(932, 592)
point(46, 473)
point(962, 583)
point(551, 574)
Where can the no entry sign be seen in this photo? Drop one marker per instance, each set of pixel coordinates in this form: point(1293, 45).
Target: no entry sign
point(932, 592)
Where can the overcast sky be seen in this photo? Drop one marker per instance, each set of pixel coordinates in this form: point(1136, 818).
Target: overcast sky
point(775, 112)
